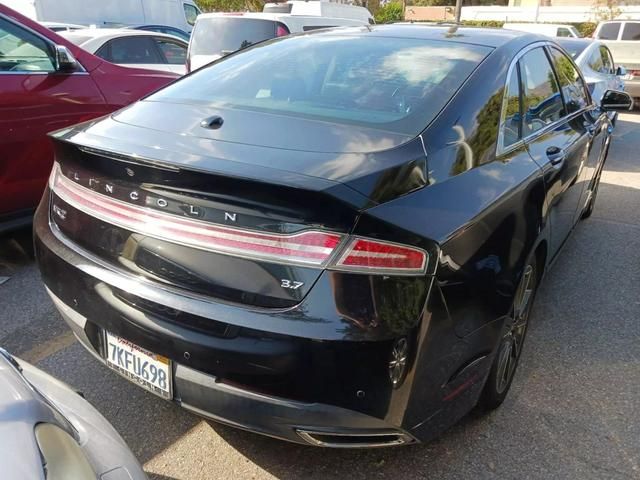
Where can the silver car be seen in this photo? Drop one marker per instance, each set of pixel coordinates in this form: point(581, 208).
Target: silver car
point(48, 431)
point(596, 62)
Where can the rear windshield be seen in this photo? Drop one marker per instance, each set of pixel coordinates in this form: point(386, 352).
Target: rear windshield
point(574, 48)
point(219, 36)
point(74, 38)
point(395, 84)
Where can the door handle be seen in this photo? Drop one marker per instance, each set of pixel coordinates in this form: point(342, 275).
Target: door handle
point(555, 155)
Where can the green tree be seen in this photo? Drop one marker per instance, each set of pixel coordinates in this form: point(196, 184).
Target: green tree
point(230, 5)
point(606, 9)
point(389, 13)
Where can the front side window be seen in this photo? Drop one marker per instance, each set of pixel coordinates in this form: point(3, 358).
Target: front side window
point(190, 13)
point(609, 31)
point(631, 31)
point(512, 117)
point(395, 84)
point(573, 88)
point(173, 52)
point(542, 100)
point(22, 51)
point(564, 32)
point(134, 50)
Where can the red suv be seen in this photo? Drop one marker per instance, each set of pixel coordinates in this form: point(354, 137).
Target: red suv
point(47, 83)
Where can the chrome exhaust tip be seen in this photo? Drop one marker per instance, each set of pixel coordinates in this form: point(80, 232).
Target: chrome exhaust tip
point(355, 439)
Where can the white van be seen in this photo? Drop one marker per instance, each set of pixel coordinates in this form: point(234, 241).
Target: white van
point(623, 39)
point(548, 29)
point(108, 13)
point(218, 34)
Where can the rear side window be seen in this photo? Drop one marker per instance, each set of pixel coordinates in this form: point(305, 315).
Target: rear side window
point(631, 31)
point(224, 35)
point(174, 53)
point(607, 61)
point(573, 88)
point(512, 118)
point(132, 50)
point(190, 13)
point(609, 31)
point(564, 32)
point(595, 61)
point(542, 101)
point(394, 84)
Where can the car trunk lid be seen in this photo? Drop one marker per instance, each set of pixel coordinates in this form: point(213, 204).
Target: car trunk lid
point(245, 223)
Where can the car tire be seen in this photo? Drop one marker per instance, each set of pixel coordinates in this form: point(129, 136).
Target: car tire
point(509, 349)
point(589, 209)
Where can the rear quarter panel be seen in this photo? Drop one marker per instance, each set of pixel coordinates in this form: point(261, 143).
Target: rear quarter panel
point(486, 215)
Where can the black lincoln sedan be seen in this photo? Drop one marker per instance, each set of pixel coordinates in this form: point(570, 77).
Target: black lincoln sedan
point(333, 238)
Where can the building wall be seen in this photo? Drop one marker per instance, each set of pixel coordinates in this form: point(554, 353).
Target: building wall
point(435, 14)
point(554, 14)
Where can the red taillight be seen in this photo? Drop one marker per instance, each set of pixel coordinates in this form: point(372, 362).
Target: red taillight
point(282, 31)
point(633, 73)
point(310, 247)
point(366, 255)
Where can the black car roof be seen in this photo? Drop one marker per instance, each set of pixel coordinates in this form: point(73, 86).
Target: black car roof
point(491, 37)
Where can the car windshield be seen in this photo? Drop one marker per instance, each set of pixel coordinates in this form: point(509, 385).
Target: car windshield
point(395, 84)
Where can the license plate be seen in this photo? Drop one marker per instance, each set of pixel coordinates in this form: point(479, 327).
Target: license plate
point(147, 369)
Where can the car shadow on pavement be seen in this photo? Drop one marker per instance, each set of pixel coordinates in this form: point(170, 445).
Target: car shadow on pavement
point(624, 146)
point(16, 251)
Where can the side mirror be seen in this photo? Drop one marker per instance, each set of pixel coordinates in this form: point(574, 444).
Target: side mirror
point(621, 71)
point(65, 61)
point(614, 100)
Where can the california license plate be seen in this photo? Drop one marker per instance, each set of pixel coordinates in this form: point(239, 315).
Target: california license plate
point(147, 369)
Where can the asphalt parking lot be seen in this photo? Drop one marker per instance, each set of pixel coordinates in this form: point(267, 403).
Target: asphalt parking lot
point(573, 411)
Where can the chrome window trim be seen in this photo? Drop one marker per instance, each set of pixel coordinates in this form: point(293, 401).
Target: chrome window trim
point(501, 149)
point(82, 71)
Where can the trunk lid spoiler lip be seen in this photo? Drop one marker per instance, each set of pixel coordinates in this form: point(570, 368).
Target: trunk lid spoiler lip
point(361, 190)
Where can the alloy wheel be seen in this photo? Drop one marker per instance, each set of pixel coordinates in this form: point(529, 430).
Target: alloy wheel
point(511, 346)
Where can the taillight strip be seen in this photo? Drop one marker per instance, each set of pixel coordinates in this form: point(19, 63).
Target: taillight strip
point(310, 247)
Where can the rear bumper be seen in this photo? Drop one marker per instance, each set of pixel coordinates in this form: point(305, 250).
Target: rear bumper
point(300, 422)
